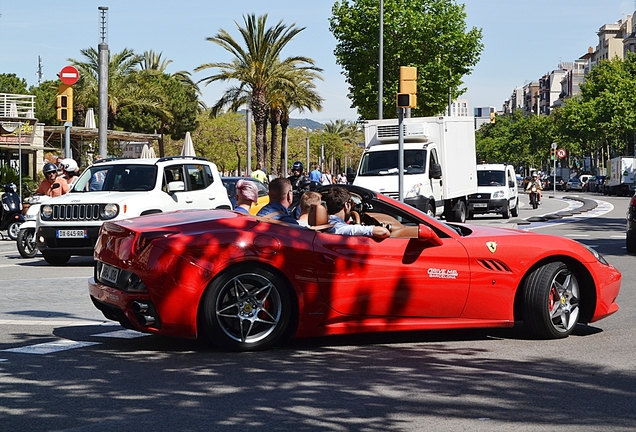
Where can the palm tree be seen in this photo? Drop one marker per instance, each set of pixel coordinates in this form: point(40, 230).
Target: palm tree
point(256, 67)
point(348, 131)
point(126, 87)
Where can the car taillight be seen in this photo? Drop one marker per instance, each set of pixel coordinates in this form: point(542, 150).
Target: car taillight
point(632, 202)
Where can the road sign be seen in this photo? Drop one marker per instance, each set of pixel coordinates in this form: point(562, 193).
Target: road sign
point(69, 75)
point(561, 153)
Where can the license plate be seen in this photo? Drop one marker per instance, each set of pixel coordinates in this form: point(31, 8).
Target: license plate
point(72, 234)
point(480, 205)
point(109, 273)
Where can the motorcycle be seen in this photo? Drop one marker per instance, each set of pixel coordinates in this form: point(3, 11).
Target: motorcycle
point(26, 237)
point(534, 197)
point(11, 211)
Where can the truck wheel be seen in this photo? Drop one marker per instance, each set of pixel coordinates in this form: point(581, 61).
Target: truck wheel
point(430, 210)
point(515, 210)
point(506, 211)
point(459, 215)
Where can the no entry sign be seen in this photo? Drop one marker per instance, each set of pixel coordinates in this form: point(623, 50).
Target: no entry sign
point(561, 153)
point(69, 75)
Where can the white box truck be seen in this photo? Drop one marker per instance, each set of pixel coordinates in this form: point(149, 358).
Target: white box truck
point(439, 163)
point(622, 179)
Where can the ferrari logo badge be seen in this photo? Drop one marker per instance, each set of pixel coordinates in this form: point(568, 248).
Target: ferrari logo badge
point(492, 246)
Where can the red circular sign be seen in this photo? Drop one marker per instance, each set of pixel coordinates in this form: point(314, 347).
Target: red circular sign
point(69, 75)
point(561, 153)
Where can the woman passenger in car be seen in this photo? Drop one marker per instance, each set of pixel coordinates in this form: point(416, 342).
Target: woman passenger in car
point(246, 195)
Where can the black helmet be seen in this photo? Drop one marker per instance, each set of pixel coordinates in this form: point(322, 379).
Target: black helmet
point(49, 167)
point(298, 165)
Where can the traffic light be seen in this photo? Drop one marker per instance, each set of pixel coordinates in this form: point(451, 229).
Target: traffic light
point(407, 96)
point(492, 117)
point(552, 153)
point(65, 103)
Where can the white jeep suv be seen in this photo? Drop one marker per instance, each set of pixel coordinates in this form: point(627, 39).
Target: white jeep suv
point(124, 188)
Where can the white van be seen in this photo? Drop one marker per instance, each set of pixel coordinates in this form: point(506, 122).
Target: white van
point(497, 191)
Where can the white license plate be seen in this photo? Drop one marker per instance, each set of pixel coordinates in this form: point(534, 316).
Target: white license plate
point(72, 234)
point(480, 205)
point(109, 273)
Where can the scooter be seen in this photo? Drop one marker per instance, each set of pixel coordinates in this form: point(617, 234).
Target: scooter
point(26, 238)
point(534, 197)
point(11, 211)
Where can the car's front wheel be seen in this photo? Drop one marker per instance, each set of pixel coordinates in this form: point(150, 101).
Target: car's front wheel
point(246, 309)
point(551, 301)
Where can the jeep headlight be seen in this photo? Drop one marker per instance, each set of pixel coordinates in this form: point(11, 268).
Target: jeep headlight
point(110, 211)
point(499, 194)
point(415, 191)
point(46, 211)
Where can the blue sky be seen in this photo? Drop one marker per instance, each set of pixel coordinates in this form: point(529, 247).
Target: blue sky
point(523, 39)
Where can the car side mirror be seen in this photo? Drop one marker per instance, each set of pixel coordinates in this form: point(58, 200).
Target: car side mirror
point(176, 186)
point(426, 233)
point(511, 183)
point(435, 171)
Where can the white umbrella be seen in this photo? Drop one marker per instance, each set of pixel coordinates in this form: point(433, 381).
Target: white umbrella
point(151, 153)
point(188, 146)
point(89, 121)
point(145, 152)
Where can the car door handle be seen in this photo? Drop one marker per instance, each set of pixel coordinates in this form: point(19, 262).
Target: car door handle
point(188, 200)
point(328, 260)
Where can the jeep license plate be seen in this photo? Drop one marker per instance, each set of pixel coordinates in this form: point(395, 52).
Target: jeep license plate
point(480, 205)
point(109, 273)
point(72, 234)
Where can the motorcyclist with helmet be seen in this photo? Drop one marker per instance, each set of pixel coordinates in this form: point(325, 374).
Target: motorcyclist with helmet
point(300, 183)
point(50, 178)
point(537, 183)
point(71, 171)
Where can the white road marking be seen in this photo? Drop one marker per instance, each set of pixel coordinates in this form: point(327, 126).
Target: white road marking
point(51, 347)
point(121, 334)
point(577, 235)
point(619, 236)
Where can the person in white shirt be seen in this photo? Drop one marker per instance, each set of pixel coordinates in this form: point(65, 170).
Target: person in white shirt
point(339, 206)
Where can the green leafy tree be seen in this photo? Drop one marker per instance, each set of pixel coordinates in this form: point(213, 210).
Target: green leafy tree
point(11, 83)
point(45, 101)
point(428, 34)
point(256, 66)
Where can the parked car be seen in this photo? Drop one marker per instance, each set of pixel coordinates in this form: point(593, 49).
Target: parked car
point(574, 184)
point(120, 189)
point(631, 225)
point(246, 282)
point(263, 192)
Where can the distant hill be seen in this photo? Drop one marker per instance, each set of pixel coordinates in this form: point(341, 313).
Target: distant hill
point(308, 123)
point(294, 123)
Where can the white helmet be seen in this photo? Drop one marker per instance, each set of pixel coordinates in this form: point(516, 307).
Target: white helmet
point(69, 165)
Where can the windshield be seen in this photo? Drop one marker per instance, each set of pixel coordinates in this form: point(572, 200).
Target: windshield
point(491, 178)
point(386, 162)
point(124, 178)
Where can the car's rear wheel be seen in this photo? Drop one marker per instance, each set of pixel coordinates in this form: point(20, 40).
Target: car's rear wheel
point(246, 309)
point(631, 242)
point(551, 301)
point(515, 210)
point(56, 259)
point(506, 211)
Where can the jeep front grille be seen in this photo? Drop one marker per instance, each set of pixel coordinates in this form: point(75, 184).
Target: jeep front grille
point(76, 212)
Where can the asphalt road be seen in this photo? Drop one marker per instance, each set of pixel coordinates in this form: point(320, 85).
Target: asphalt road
point(63, 367)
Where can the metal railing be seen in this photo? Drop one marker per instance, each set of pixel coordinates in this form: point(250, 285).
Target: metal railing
point(17, 106)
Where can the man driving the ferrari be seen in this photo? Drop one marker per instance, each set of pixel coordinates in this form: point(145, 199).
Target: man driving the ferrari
point(339, 206)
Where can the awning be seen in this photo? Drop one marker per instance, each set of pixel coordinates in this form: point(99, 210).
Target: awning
point(78, 133)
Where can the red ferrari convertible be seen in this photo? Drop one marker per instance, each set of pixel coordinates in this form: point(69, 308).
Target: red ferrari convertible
point(246, 283)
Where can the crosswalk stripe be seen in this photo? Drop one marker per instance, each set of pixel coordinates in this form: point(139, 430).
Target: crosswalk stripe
point(51, 347)
point(121, 334)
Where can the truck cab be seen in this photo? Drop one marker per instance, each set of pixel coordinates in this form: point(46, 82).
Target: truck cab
point(497, 191)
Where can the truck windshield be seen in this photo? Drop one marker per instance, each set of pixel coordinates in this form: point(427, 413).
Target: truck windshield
point(491, 178)
point(377, 163)
point(129, 177)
